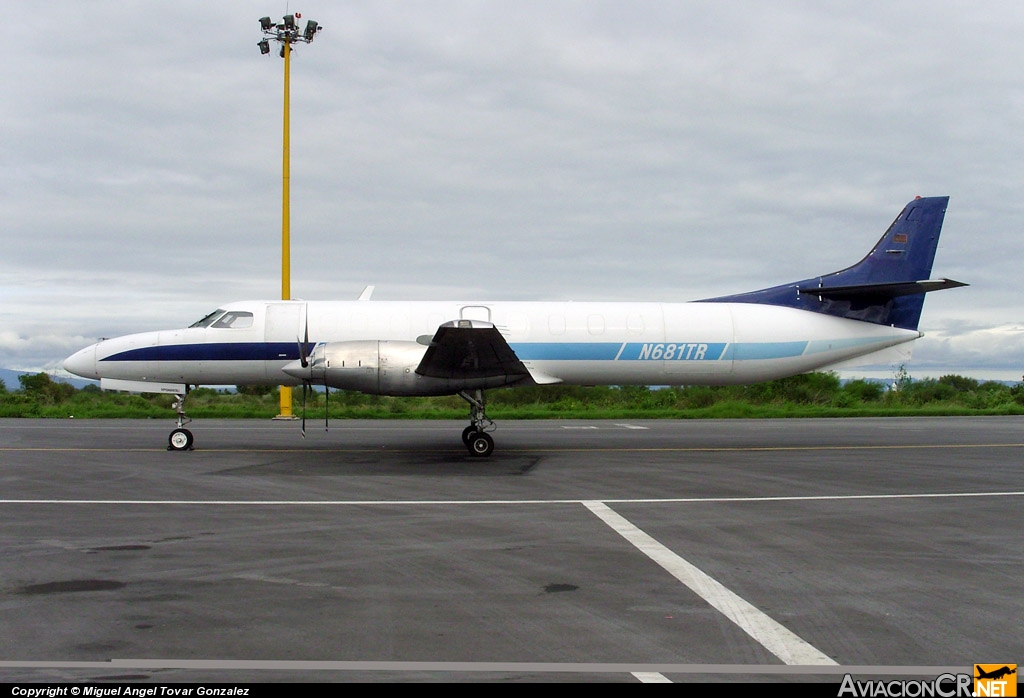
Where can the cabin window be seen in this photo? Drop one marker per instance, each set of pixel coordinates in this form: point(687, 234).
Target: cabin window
point(208, 319)
point(235, 319)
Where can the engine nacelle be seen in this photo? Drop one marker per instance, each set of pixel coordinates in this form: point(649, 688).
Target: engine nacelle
point(368, 366)
point(382, 367)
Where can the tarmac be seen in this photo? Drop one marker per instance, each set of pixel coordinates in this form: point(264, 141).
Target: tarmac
point(664, 550)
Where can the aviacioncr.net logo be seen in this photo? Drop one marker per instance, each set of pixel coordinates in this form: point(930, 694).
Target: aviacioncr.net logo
point(995, 680)
point(942, 686)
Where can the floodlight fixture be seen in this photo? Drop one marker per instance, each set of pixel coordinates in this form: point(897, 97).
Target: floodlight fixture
point(286, 33)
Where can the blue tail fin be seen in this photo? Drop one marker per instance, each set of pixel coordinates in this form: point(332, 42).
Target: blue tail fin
point(887, 287)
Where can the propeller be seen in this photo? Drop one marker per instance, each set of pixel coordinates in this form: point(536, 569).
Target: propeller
point(304, 362)
point(307, 381)
point(304, 346)
point(305, 388)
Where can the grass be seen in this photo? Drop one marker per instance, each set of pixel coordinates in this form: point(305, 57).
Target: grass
point(809, 395)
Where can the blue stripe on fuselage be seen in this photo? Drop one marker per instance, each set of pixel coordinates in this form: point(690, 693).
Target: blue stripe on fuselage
point(672, 351)
point(217, 351)
point(567, 351)
point(526, 351)
point(657, 351)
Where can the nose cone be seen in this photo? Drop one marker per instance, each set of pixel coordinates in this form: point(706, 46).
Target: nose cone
point(83, 363)
point(295, 369)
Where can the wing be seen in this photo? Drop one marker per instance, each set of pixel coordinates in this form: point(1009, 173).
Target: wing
point(470, 349)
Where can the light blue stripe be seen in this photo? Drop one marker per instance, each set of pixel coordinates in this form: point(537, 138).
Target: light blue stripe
point(672, 351)
point(656, 351)
point(660, 351)
point(567, 351)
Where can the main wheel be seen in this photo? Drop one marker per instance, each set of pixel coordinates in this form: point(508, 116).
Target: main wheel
point(179, 440)
point(481, 445)
point(467, 434)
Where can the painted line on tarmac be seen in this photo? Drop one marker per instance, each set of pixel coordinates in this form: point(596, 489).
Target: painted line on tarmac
point(503, 502)
point(455, 666)
point(771, 634)
point(650, 677)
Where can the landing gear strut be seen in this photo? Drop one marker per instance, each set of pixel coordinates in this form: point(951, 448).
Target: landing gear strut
point(477, 441)
point(181, 438)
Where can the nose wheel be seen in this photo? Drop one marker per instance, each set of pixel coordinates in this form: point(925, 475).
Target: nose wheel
point(181, 439)
point(477, 441)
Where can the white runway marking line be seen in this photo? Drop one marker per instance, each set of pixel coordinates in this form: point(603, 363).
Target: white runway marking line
point(638, 670)
point(631, 426)
point(650, 677)
point(502, 502)
point(776, 638)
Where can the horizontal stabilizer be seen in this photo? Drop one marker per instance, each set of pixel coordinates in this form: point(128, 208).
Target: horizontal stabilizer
point(890, 290)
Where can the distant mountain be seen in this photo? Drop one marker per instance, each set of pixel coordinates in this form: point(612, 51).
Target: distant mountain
point(10, 379)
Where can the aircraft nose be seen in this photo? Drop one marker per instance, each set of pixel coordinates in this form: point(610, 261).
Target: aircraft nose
point(82, 363)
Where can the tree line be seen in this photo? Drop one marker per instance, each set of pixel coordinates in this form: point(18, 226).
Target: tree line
point(807, 395)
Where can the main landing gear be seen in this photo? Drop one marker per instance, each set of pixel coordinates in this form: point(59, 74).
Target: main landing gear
point(181, 438)
point(477, 441)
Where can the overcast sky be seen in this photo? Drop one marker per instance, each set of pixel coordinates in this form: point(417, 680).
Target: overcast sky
point(492, 150)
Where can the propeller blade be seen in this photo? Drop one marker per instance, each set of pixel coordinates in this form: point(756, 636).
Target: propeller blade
point(304, 346)
point(327, 399)
point(305, 386)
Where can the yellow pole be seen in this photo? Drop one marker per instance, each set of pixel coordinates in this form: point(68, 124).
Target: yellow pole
point(286, 259)
point(286, 266)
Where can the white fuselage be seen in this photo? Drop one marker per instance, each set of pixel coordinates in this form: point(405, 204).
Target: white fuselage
point(582, 343)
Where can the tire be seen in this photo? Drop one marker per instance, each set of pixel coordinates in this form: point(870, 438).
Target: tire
point(481, 445)
point(180, 440)
point(467, 434)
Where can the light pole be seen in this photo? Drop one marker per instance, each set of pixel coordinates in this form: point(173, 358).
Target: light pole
point(286, 33)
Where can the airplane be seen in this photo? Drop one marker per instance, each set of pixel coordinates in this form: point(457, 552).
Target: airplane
point(863, 314)
point(995, 673)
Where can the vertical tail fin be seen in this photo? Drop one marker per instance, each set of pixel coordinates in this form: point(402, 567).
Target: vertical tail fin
point(906, 250)
point(887, 287)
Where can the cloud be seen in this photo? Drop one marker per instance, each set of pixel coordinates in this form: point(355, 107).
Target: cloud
point(647, 151)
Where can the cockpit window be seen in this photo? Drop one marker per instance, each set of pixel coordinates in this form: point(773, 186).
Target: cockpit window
point(207, 320)
point(235, 319)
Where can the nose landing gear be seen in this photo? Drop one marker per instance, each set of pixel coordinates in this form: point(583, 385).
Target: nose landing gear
point(181, 438)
